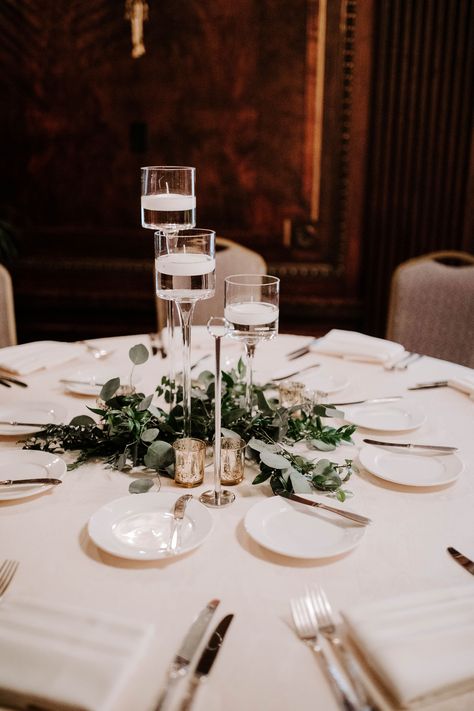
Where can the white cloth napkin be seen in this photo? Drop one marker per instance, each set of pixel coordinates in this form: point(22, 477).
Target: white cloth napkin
point(30, 357)
point(465, 385)
point(357, 346)
point(60, 657)
point(420, 644)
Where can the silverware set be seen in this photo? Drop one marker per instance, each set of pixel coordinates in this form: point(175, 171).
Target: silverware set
point(313, 618)
point(181, 663)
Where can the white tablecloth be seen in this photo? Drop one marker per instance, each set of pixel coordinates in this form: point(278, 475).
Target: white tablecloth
point(262, 665)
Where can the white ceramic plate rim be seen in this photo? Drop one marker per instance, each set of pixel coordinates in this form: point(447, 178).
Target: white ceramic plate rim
point(23, 410)
point(416, 413)
point(368, 458)
point(101, 523)
point(54, 465)
point(255, 519)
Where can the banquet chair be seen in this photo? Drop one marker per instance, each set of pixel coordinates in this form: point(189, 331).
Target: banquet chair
point(431, 306)
point(7, 311)
point(231, 258)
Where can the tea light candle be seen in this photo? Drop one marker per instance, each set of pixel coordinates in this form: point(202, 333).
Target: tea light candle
point(190, 455)
point(168, 202)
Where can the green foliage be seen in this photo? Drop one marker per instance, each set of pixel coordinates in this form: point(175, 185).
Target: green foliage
point(133, 431)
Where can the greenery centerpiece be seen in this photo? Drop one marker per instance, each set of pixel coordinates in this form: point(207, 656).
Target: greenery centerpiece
point(132, 430)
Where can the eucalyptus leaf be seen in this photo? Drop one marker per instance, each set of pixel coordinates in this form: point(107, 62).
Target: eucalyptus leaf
point(140, 486)
point(138, 354)
point(301, 485)
point(322, 446)
point(109, 389)
point(260, 446)
point(229, 433)
point(273, 460)
point(83, 420)
point(145, 403)
point(263, 404)
point(159, 455)
point(150, 434)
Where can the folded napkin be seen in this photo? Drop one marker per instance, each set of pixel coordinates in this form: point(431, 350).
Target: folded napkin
point(59, 658)
point(29, 357)
point(465, 385)
point(420, 644)
point(357, 346)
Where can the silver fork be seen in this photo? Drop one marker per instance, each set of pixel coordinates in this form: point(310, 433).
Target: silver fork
point(308, 632)
point(324, 618)
point(7, 571)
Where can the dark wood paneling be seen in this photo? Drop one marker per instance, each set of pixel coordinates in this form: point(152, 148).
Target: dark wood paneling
point(421, 133)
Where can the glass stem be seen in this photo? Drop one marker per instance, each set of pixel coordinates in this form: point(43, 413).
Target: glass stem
point(171, 354)
point(249, 352)
point(217, 424)
point(185, 311)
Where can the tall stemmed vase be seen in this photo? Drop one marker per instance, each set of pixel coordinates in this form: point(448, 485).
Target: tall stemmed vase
point(218, 496)
point(185, 270)
point(168, 204)
point(251, 313)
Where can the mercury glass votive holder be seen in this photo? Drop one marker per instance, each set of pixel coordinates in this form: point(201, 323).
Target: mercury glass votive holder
point(291, 393)
point(190, 454)
point(232, 460)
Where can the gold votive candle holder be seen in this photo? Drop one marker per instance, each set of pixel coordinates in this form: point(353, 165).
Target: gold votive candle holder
point(190, 454)
point(291, 393)
point(232, 460)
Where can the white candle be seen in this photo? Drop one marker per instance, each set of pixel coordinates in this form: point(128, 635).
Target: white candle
point(185, 264)
point(168, 202)
point(251, 313)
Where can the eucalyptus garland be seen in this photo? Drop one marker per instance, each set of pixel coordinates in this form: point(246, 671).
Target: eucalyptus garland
point(132, 431)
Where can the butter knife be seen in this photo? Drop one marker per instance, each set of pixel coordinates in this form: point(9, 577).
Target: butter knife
point(316, 504)
point(14, 423)
point(461, 559)
point(182, 660)
point(371, 401)
point(14, 482)
point(178, 515)
point(92, 384)
point(427, 386)
point(206, 661)
point(409, 445)
point(293, 355)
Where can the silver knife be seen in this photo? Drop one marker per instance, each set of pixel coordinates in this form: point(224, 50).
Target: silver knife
point(206, 661)
point(178, 515)
point(316, 504)
point(14, 423)
point(45, 480)
point(373, 400)
point(293, 355)
point(408, 445)
point(182, 660)
point(427, 386)
point(461, 559)
point(67, 381)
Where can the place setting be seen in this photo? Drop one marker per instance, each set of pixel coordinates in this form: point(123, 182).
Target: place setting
point(28, 417)
point(411, 464)
point(25, 473)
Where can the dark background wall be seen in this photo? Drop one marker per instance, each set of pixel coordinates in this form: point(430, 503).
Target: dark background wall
point(228, 88)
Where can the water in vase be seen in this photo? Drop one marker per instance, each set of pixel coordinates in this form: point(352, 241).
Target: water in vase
point(185, 276)
point(252, 319)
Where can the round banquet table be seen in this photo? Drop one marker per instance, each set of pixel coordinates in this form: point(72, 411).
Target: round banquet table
point(262, 664)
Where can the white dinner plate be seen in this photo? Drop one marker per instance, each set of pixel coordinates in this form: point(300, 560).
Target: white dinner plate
point(41, 412)
point(300, 531)
point(28, 464)
point(325, 382)
point(386, 417)
point(139, 526)
point(411, 469)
